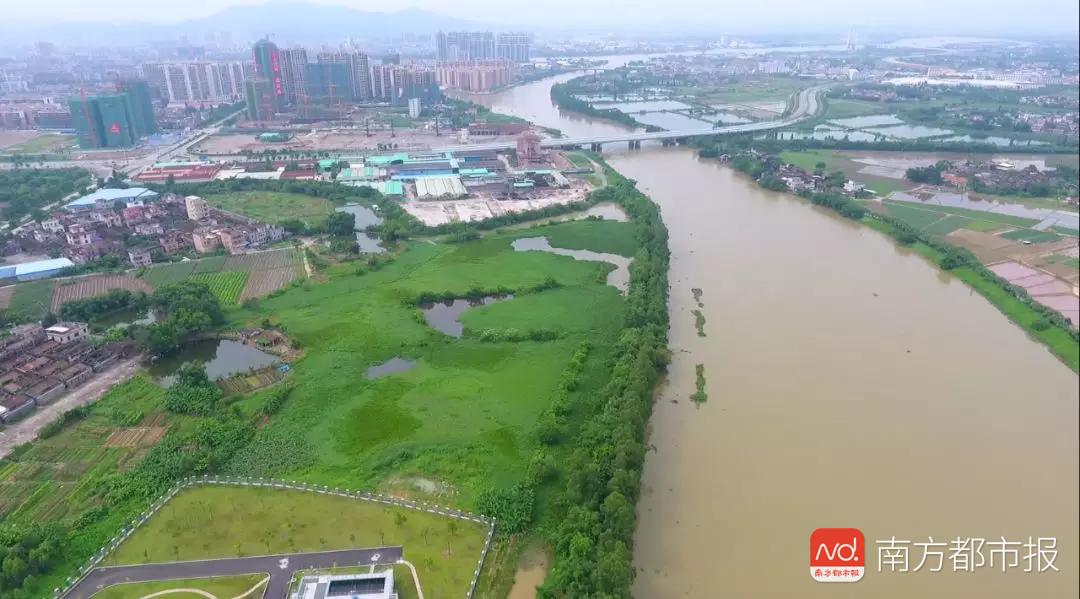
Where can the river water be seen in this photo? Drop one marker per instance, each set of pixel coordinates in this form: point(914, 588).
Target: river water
point(850, 384)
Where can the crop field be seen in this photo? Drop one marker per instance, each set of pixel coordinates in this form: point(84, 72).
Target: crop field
point(264, 272)
point(59, 476)
point(227, 286)
point(839, 108)
point(94, 286)
point(214, 522)
point(1031, 235)
point(273, 206)
point(246, 383)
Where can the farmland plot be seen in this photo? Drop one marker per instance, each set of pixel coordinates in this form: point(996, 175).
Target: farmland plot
point(227, 286)
point(94, 286)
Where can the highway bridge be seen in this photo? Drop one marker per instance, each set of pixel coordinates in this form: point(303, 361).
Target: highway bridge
point(807, 104)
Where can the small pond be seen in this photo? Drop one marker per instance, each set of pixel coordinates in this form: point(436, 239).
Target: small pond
point(443, 316)
point(222, 358)
point(125, 318)
point(618, 278)
point(365, 217)
point(391, 366)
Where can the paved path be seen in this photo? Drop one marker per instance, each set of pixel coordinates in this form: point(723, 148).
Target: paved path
point(280, 568)
point(26, 429)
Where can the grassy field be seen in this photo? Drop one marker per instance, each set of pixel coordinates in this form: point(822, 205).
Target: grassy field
point(948, 225)
point(1031, 235)
point(59, 477)
point(598, 235)
point(836, 161)
point(226, 286)
point(45, 143)
point(578, 159)
point(31, 301)
point(977, 215)
point(462, 420)
point(274, 207)
point(840, 108)
point(759, 89)
point(209, 522)
point(983, 225)
point(222, 587)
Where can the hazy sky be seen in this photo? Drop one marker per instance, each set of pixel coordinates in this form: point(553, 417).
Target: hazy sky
point(725, 15)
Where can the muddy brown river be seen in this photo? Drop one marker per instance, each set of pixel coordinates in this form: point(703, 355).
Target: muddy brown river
point(850, 384)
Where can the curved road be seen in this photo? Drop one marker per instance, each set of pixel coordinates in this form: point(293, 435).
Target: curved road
point(280, 568)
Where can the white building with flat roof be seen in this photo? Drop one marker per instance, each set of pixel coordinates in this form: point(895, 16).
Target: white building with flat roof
point(373, 585)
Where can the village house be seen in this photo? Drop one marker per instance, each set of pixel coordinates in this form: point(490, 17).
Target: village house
point(77, 235)
point(149, 229)
point(205, 240)
point(173, 242)
point(13, 407)
point(66, 332)
point(140, 257)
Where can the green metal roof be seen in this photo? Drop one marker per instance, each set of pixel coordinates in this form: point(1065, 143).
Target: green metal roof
point(387, 188)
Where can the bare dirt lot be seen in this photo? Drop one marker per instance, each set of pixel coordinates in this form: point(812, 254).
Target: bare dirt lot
point(14, 138)
point(343, 139)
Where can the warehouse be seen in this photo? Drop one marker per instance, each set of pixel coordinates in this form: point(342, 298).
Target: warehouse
point(29, 271)
point(106, 197)
point(440, 188)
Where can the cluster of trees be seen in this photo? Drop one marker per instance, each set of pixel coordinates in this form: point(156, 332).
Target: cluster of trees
point(184, 309)
point(26, 552)
point(564, 96)
point(27, 191)
point(927, 174)
point(593, 542)
point(115, 300)
point(193, 393)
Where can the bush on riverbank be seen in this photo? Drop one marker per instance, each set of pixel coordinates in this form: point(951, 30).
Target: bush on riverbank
point(593, 543)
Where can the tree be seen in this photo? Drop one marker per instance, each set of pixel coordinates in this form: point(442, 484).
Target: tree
point(341, 223)
point(193, 392)
point(819, 168)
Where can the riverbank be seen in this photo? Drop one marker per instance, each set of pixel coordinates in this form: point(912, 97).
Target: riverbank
point(1041, 323)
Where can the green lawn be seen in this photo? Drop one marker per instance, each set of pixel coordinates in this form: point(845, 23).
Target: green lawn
point(983, 226)
point(222, 587)
point(45, 143)
point(274, 206)
point(1063, 259)
point(31, 301)
point(598, 235)
point(226, 286)
point(947, 225)
point(992, 217)
point(916, 216)
point(808, 159)
point(1031, 235)
point(220, 521)
point(1065, 231)
point(578, 159)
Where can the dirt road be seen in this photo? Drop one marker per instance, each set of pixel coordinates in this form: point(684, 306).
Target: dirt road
point(27, 429)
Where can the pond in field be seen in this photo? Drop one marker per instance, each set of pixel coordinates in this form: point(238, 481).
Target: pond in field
point(443, 316)
point(648, 106)
point(221, 358)
point(618, 278)
point(873, 120)
point(910, 131)
point(365, 217)
point(391, 366)
point(822, 132)
point(125, 318)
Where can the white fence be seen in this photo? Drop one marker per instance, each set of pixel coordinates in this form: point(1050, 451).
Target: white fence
point(242, 481)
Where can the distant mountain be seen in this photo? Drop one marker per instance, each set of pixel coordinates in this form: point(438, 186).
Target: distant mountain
point(285, 22)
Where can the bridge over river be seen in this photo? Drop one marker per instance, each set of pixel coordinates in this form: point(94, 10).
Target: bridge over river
point(807, 104)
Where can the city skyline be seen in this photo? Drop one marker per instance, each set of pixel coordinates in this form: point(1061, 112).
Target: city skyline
point(1041, 16)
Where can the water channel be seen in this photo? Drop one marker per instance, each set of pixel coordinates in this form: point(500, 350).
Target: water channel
point(850, 384)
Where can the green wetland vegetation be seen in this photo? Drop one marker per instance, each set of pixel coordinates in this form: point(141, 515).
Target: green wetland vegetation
point(535, 415)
